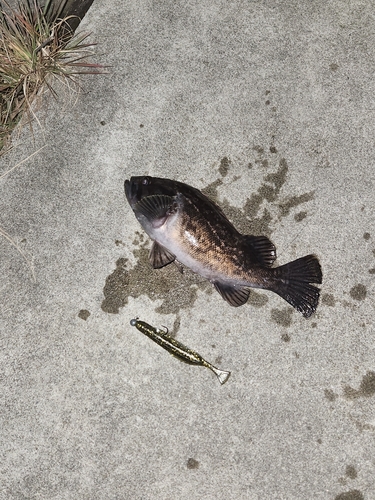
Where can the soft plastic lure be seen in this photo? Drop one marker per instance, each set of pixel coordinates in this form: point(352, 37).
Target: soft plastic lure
point(177, 349)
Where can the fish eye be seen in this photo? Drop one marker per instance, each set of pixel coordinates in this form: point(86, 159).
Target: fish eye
point(146, 181)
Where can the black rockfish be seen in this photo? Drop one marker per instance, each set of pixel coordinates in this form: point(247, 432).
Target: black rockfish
point(188, 227)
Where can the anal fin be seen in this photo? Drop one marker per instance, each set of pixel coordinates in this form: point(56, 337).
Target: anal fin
point(235, 295)
point(160, 256)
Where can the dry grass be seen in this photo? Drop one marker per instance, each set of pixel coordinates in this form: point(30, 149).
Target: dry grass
point(36, 46)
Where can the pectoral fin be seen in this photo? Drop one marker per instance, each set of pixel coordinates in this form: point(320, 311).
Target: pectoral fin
point(235, 295)
point(156, 208)
point(160, 256)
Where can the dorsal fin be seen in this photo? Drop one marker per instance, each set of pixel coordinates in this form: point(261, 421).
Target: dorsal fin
point(160, 256)
point(235, 295)
point(261, 249)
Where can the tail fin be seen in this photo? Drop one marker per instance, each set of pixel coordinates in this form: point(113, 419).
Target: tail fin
point(293, 283)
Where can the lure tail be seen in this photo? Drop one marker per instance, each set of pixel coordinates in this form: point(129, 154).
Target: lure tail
point(293, 283)
point(221, 374)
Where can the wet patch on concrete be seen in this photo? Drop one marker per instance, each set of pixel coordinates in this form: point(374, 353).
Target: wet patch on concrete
point(350, 495)
point(366, 236)
point(83, 314)
point(328, 299)
point(178, 291)
point(351, 472)
point(192, 463)
point(119, 243)
point(358, 292)
point(300, 216)
point(224, 166)
point(257, 299)
point(366, 388)
point(285, 337)
point(211, 190)
point(330, 395)
point(294, 201)
point(218, 360)
point(251, 219)
point(282, 317)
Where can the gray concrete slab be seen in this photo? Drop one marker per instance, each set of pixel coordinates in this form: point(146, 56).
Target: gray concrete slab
point(269, 107)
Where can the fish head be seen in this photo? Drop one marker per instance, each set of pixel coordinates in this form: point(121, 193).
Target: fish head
point(137, 188)
point(155, 201)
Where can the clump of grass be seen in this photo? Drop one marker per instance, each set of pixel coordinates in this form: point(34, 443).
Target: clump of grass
point(36, 45)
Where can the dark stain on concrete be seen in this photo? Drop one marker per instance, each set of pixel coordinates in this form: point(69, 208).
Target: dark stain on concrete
point(139, 238)
point(254, 218)
point(211, 190)
point(282, 317)
point(333, 67)
point(278, 178)
point(350, 495)
point(258, 149)
point(328, 299)
point(351, 472)
point(248, 220)
point(294, 201)
point(300, 216)
point(177, 291)
point(257, 299)
point(358, 292)
point(372, 271)
point(83, 314)
point(224, 166)
point(245, 220)
point(330, 395)
point(285, 337)
point(192, 463)
point(366, 388)
point(218, 360)
point(273, 149)
point(366, 236)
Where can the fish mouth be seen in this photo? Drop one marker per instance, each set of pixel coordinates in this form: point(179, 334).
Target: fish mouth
point(136, 189)
point(139, 187)
point(131, 192)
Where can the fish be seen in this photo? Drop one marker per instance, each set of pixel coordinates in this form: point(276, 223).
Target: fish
point(177, 349)
point(187, 227)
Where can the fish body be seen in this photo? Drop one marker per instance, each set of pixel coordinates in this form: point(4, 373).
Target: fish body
point(188, 227)
point(178, 350)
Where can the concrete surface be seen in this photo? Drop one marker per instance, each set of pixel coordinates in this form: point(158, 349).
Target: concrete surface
point(269, 107)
